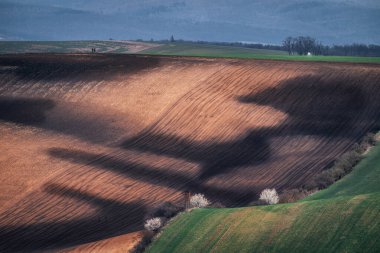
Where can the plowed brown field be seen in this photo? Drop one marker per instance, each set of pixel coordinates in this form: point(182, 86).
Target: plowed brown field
point(90, 142)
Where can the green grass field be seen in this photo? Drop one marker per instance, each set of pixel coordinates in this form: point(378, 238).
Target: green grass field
point(205, 50)
point(343, 218)
point(62, 46)
point(193, 49)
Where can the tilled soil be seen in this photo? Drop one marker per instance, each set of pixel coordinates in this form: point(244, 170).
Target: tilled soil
point(90, 143)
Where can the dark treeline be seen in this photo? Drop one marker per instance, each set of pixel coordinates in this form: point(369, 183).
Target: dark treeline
point(301, 45)
point(352, 50)
point(241, 44)
point(231, 44)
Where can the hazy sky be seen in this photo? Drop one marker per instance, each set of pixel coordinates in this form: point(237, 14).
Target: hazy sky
point(267, 21)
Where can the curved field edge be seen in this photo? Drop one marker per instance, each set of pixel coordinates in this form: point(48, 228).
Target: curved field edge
point(74, 46)
point(343, 218)
point(213, 51)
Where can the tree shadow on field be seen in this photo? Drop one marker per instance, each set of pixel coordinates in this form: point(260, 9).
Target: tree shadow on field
point(333, 107)
point(317, 106)
point(66, 118)
point(155, 176)
point(55, 67)
point(214, 157)
point(113, 218)
point(27, 111)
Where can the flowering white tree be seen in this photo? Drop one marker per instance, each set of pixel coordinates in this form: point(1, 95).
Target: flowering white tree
point(270, 196)
point(199, 201)
point(153, 224)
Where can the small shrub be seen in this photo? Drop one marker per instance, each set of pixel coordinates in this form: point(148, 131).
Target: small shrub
point(258, 202)
point(216, 205)
point(153, 224)
point(376, 138)
point(142, 245)
point(371, 139)
point(167, 210)
point(198, 201)
point(290, 196)
point(270, 196)
point(343, 165)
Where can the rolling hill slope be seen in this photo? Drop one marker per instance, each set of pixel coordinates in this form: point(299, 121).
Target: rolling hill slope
point(197, 49)
point(343, 218)
point(81, 46)
point(90, 143)
point(207, 50)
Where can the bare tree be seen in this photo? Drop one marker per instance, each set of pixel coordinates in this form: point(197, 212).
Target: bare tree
point(288, 45)
point(302, 45)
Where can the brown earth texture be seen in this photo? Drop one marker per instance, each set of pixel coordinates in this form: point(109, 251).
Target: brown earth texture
point(90, 143)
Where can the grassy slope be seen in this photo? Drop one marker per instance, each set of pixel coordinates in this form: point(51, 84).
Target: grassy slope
point(191, 49)
point(200, 50)
point(343, 218)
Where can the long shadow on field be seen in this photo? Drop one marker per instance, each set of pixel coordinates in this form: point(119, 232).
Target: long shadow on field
point(333, 108)
point(215, 157)
point(113, 218)
point(55, 67)
point(64, 118)
point(317, 106)
point(28, 111)
point(178, 181)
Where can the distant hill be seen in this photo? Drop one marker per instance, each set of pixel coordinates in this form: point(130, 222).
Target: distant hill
point(9, 47)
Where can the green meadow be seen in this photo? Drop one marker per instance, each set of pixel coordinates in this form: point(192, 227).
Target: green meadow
point(216, 51)
point(342, 218)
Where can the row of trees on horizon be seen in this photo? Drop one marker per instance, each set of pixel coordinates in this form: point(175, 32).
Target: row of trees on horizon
point(302, 45)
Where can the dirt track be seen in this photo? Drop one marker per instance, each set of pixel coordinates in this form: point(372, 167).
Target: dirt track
point(90, 142)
